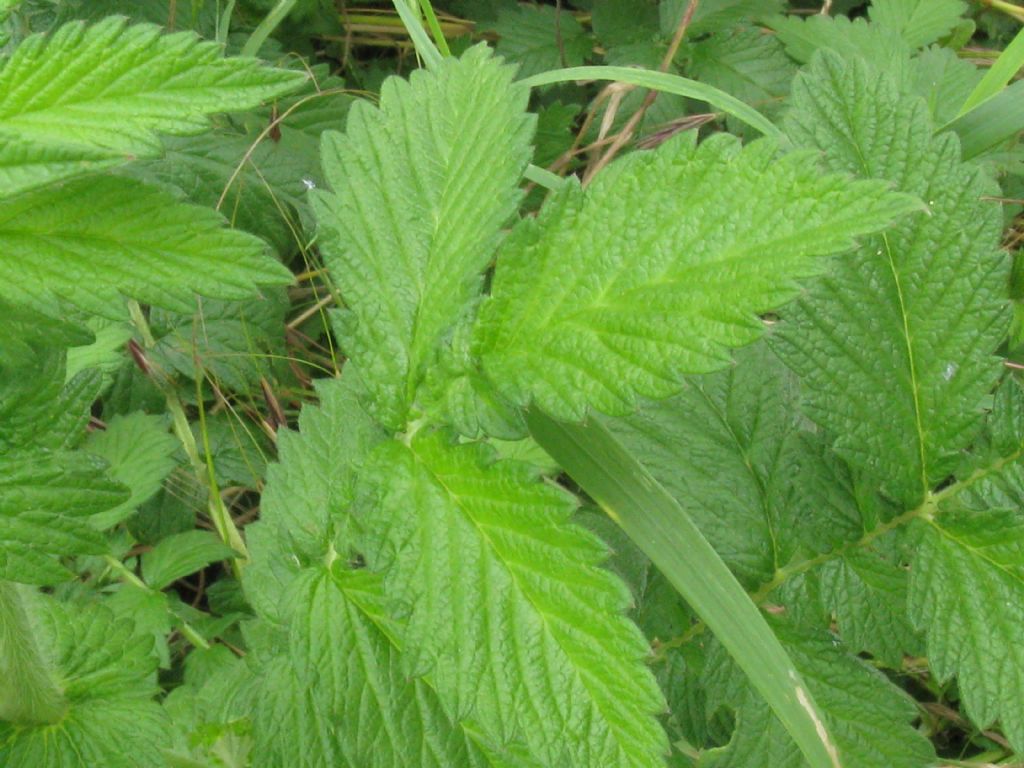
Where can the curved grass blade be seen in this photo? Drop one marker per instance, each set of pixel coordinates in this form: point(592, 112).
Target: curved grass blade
point(663, 81)
point(1002, 72)
point(662, 529)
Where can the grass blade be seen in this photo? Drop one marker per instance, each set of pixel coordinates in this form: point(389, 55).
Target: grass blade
point(1006, 66)
point(991, 122)
point(663, 81)
point(662, 529)
point(413, 22)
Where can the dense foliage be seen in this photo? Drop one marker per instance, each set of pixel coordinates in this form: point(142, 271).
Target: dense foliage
point(377, 393)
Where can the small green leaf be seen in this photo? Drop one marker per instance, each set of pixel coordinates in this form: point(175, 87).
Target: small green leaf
point(539, 38)
point(919, 22)
point(181, 555)
point(140, 451)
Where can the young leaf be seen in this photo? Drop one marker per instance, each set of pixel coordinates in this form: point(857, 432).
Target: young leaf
point(715, 15)
point(231, 341)
point(899, 381)
point(140, 451)
point(92, 241)
point(422, 185)
point(510, 614)
point(596, 302)
point(91, 95)
point(803, 36)
point(746, 63)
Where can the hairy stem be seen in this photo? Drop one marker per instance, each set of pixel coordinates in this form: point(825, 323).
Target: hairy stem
point(28, 694)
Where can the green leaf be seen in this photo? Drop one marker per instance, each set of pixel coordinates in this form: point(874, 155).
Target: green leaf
point(318, 465)
point(919, 22)
point(46, 498)
point(92, 241)
point(899, 381)
point(422, 185)
point(87, 96)
point(596, 302)
point(967, 594)
point(868, 593)
point(106, 672)
point(181, 555)
point(509, 613)
point(340, 684)
point(869, 716)
point(106, 352)
point(539, 38)
point(40, 409)
point(25, 332)
point(882, 46)
point(140, 452)
point(343, 651)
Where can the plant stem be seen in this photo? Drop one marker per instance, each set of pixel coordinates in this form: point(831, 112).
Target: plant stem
point(1009, 9)
point(28, 694)
point(185, 628)
point(203, 469)
point(267, 26)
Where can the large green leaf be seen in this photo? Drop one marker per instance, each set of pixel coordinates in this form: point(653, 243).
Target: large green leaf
point(86, 97)
point(106, 671)
point(596, 301)
point(509, 612)
point(895, 345)
point(422, 185)
point(339, 683)
point(92, 241)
